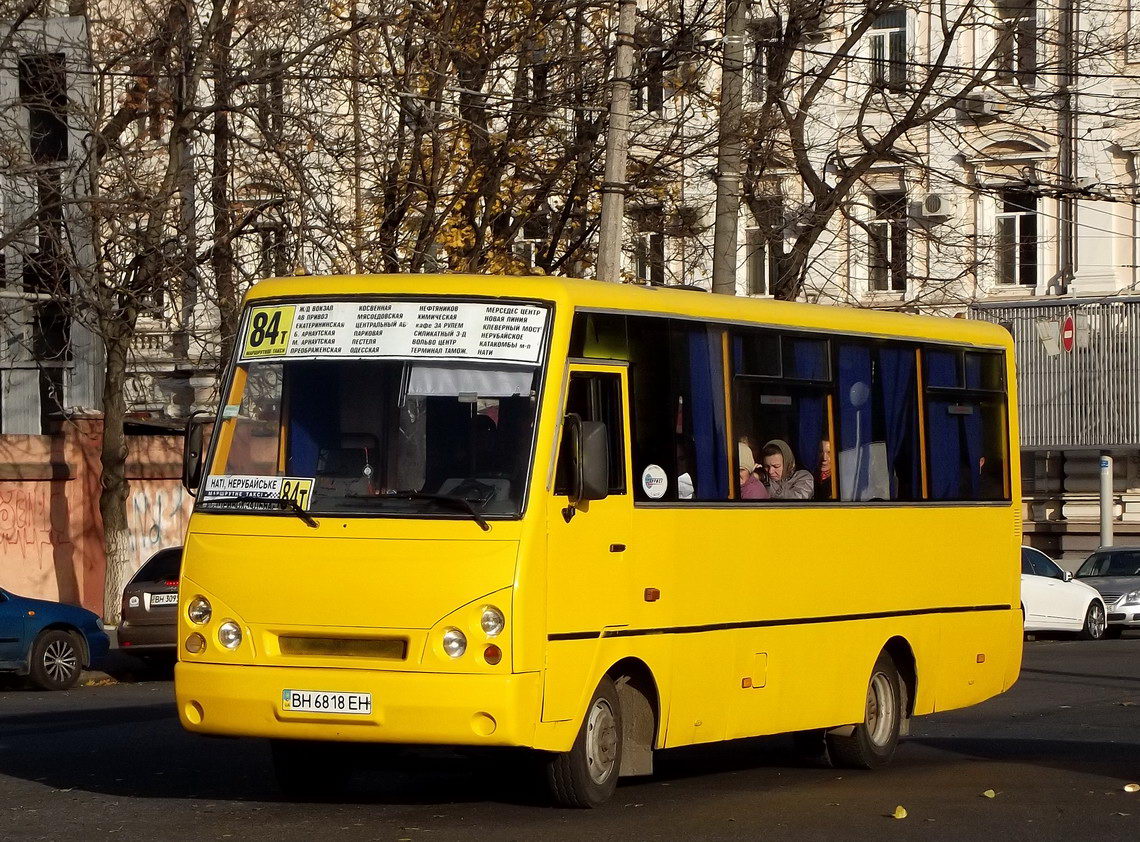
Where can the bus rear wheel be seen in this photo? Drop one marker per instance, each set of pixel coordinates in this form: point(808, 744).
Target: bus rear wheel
point(586, 776)
point(872, 743)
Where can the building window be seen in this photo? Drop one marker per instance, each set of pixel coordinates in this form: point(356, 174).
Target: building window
point(534, 235)
point(270, 251)
point(1016, 53)
point(761, 48)
point(1017, 238)
point(536, 75)
point(270, 88)
point(649, 248)
point(648, 85)
point(43, 91)
point(51, 400)
point(888, 50)
point(887, 242)
point(764, 245)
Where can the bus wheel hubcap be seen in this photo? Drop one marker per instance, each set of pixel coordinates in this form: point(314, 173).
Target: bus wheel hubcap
point(880, 709)
point(601, 741)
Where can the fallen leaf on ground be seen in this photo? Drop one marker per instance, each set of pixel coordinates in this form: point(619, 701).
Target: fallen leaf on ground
point(899, 813)
point(989, 793)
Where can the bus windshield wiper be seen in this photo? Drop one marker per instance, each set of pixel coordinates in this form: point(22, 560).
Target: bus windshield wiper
point(282, 502)
point(455, 502)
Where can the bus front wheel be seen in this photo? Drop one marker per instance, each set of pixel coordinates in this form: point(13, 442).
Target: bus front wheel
point(586, 776)
point(872, 743)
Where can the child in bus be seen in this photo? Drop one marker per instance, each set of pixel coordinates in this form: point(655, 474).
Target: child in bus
point(784, 481)
point(751, 488)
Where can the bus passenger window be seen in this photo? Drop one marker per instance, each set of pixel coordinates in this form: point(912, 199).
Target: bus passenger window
point(879, 444)
point(677, 411)
point(780, 411)
point(966, 425)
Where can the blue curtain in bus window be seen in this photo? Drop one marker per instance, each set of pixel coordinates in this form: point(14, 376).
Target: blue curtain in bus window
point(809, 362)
point(314, 393)
point(855, 418)
point(942, 369)
point(896, 371)
point(706, 384)
point(945, 429)
point(945, 451)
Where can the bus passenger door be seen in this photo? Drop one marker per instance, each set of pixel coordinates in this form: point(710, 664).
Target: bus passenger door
point(588, 578)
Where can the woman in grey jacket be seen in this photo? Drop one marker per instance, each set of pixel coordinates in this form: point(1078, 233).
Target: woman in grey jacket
point(784, 481)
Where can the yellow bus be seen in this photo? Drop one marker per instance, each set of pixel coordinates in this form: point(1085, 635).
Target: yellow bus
point(595, 520)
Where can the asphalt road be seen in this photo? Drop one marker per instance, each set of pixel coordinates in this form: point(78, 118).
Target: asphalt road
point(112, 762)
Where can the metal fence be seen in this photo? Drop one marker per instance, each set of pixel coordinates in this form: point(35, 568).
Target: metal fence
point(1078, 371)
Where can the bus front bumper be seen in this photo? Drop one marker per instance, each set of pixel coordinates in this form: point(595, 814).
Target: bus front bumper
point(406, 707)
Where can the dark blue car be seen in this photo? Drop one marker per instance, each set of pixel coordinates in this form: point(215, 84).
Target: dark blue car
point(49, 642)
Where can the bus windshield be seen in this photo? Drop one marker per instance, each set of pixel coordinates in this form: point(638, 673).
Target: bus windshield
point(370, 434)
point(324, 422)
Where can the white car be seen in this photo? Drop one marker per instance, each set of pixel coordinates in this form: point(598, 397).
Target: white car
point(1052, 601)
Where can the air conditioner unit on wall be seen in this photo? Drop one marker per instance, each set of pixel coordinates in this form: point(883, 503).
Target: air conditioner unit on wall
point(936, 206)
point(986, 104)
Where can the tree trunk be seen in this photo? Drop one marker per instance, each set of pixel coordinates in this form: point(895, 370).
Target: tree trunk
point(113, 480)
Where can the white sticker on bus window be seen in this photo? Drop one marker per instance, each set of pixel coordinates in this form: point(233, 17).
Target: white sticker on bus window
point(297, 489)
point(432, 330)
point(654, 482)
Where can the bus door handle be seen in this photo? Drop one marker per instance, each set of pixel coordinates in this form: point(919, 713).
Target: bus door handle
point(617, 548)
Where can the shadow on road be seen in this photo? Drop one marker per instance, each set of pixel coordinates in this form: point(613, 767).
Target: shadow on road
point(141, 751)
point(1108, 759)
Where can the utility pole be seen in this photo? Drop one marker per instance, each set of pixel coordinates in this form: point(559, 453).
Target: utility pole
point(728, 155)
point(357, 144)
point(617, 148)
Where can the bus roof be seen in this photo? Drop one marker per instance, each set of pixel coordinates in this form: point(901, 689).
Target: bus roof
point(632, 298)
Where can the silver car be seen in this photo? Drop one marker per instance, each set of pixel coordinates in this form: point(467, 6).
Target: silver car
point(1115, 572)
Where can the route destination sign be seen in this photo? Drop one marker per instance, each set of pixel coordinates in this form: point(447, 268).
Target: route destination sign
point(396, 330)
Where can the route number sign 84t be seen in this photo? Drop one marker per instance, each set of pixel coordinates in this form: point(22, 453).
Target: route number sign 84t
point(267, 332)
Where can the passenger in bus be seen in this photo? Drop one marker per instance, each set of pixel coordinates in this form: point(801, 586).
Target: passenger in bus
point(783, 480)
point(823, 472)
point(751, 488)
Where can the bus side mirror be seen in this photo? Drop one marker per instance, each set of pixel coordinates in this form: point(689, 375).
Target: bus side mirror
point(594, 461)
point(589, 461)
point(193, 458)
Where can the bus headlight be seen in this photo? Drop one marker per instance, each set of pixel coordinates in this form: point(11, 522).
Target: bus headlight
point(454, 642)
point(492, 620)
point(229, 634)
point(199, 611)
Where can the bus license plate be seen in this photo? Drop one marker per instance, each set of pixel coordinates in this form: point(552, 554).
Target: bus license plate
point(316, 701)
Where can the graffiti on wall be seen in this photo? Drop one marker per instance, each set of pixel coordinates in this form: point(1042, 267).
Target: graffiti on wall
point(157, 512)
point(35, 534)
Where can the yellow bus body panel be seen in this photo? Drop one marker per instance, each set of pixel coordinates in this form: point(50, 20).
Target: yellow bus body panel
point(769, 618)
